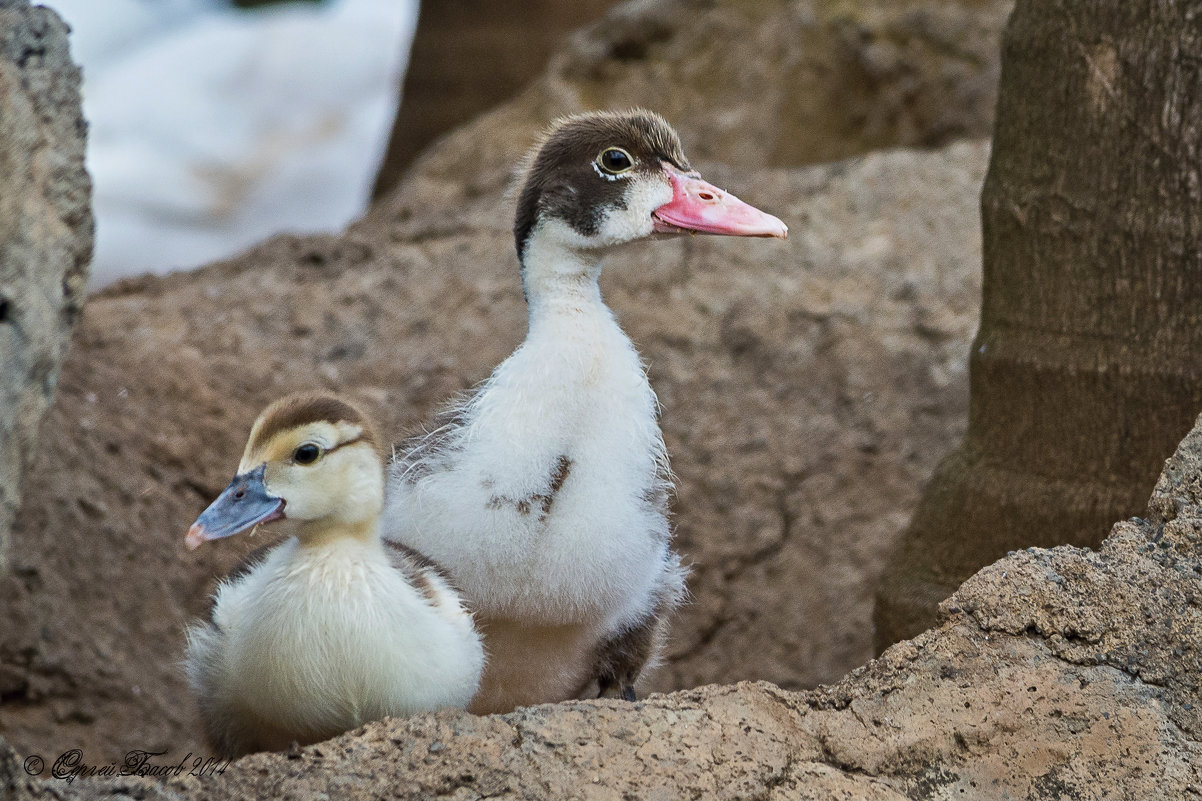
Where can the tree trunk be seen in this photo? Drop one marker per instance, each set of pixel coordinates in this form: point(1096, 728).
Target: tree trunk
point(1087, 367)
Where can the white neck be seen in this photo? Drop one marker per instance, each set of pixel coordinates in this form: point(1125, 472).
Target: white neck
point(557, 276)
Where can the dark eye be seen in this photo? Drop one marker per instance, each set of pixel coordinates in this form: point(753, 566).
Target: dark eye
point(306, 454)
point(615, 160)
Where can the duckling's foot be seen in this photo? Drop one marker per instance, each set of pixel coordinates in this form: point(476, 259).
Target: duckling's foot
point(620, 659)
point(613, 687)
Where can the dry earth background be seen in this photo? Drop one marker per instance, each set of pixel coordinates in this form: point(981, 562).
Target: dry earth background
point(809, 388)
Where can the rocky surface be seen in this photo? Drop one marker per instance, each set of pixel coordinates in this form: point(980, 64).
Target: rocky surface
point(840, 78)
point(766, 83)
point(45, 230)
point(1062, 673)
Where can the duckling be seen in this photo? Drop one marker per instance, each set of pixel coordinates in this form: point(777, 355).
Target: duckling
point(332, 627)
point(545, 494)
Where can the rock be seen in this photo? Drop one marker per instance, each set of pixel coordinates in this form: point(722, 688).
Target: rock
point(1062, 673)
point(756, 84)
point(45, 230)
point(790, 489)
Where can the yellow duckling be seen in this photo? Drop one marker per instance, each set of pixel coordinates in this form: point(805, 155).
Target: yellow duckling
point(333, 627)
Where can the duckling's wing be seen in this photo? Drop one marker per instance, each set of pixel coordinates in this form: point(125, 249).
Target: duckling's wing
point(414, 565)
point(427, 577)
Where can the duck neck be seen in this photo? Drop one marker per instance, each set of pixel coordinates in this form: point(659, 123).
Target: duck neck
point(326, 531)
point(557, 279)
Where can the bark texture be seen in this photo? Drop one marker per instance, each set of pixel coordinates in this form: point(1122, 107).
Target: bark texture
point(45, 230)
point(1087, 366)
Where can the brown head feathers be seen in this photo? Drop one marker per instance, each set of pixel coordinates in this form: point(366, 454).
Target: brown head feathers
point(559, 177)
point(303, 409)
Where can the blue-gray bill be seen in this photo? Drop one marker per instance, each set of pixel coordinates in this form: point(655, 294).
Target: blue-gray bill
point(245, 503)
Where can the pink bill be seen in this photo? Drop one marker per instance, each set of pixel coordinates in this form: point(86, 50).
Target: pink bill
point(700, 206)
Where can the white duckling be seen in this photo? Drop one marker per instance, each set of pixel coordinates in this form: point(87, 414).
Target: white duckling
point(331, 628)
point(545, 494)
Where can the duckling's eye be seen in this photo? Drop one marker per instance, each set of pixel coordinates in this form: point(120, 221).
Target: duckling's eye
point(306, 454)
point(615, 160)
